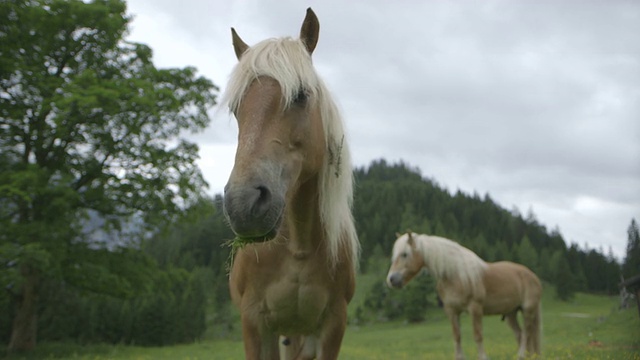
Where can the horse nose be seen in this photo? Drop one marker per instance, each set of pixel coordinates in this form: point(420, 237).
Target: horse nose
point(255, 198)
point(252, 201)
point(395, 280)
point(251, 210)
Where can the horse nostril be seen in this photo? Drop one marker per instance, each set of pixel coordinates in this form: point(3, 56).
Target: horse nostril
point(262, 200)
point(264, 194)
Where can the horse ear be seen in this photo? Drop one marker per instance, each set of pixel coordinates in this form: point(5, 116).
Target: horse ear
point(310, 31)
point(398, 235)
point(410, 239)
point(239, 46)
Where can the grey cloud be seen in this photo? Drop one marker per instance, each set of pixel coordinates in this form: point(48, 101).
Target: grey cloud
point(536, 103)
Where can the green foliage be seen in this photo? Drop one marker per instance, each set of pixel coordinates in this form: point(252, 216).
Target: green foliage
point(160, 295)
point(173, 312)
point(198, 241)
point(575, 258)
point(415, 298)
point(90, 129)
point(527, 254)
point(601, 271)
point(564, 280)
point(384, 304)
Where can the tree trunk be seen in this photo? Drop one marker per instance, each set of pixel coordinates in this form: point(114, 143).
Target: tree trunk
point(25, 323)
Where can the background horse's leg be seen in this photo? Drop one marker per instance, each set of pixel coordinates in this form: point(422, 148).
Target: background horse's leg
point(454, 316)
point(512, 320)
point(475, 310)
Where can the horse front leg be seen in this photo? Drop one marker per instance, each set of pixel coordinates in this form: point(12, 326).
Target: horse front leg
point(454, 317)
point(258, 346)
point(476, 312)
point(332, 333)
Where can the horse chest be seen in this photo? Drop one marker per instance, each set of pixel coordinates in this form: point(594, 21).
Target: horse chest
point(295, 303)
point(453, 296)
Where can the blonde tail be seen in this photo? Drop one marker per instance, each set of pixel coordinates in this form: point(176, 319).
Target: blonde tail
point(533, 324)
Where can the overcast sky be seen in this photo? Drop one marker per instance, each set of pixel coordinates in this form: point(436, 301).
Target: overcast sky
point(535, 102)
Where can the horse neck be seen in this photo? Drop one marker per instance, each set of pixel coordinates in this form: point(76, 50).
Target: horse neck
point(431, 254)
point(441, 266)
point(304, 230)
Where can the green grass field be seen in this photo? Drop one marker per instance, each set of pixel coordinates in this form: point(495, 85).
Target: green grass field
point(589, 327)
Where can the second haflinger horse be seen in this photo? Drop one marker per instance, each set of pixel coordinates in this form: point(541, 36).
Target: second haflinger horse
point(465, 282)
point(289, 197)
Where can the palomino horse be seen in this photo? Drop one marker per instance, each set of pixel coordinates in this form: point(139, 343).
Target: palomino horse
point(289, 195)
point(467, 283)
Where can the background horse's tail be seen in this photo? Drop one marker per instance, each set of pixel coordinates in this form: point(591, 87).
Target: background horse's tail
point(533, 324)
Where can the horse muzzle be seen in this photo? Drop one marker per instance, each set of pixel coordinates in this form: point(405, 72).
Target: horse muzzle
point(253, 210)
point(395, 280)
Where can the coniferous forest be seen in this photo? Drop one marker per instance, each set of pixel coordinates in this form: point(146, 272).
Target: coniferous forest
point(185, 266)
point(392, 198)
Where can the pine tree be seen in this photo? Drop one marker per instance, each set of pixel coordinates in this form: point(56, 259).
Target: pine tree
point(527, 254)
point(631, 266)
point(565, 282)
point(415, 298)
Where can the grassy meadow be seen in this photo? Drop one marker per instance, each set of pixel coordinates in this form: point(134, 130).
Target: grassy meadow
point(589, 327)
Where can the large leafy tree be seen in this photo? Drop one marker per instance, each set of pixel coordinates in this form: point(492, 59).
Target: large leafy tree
point(89, 127)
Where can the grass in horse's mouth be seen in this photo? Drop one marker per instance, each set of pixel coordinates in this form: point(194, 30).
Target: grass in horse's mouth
point(238, 243)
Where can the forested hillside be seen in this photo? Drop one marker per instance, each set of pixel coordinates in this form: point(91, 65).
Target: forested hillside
point(392, 198)
point(180, 278)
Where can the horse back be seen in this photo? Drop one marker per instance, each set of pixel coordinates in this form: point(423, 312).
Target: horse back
point(509, 287)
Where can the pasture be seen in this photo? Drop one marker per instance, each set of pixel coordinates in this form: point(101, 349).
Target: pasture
point(589, 327)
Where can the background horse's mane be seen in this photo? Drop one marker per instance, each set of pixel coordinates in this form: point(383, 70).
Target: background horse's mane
point(288, 61)
point(447, 259)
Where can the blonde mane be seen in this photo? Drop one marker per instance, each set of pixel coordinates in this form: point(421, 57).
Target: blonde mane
point(446, 259)
point(287, 61)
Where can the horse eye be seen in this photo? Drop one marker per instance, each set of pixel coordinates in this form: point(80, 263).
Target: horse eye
point(404, 255)
point(301, 97)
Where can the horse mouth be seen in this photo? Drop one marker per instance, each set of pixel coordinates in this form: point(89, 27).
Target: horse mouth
point(258, 239)
point(247, 234)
